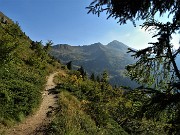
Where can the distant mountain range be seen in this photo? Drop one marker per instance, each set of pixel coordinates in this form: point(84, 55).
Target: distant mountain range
point(96, 58)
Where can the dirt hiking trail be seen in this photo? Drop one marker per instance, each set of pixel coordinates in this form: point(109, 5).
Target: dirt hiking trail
point(35, 124)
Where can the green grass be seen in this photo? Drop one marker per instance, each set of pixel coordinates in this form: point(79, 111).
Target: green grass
point(71, 119)
point(88, 107)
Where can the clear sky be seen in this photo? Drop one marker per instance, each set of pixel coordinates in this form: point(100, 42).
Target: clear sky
point(67, 22)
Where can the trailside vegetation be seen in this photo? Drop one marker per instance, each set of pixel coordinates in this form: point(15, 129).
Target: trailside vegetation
point(24, 65)
point(90, 107)
point(156, 68)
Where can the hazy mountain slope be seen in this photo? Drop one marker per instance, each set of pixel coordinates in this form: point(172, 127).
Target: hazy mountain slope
point(96, 58)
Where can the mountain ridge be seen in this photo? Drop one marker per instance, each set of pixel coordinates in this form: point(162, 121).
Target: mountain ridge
point(96, 58)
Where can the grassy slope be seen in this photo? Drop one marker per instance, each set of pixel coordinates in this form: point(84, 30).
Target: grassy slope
point(72, 119)
point(23, 71)
point(87, 107)
point(82, 108)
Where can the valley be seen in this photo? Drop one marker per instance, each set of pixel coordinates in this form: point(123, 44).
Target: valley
point(97, 58)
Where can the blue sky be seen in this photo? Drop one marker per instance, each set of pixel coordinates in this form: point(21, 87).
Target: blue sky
point(67, 21)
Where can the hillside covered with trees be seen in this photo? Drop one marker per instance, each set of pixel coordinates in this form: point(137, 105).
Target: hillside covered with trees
point(96, 58)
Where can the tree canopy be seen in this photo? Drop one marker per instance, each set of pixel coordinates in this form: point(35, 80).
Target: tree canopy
point(156, 69)
point(136, 9)
point(156, 65)
point(159, 58)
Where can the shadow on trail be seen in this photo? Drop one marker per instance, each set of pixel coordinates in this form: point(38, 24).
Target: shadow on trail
point(52, 111)
point(57, 89)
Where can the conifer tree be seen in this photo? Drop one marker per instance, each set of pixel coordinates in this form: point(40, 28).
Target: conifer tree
point(48, 45)
point(105, 77)
point(156, 68)
point(82, 72)
point(98, 78)
point(69, 65)
point(92, 77)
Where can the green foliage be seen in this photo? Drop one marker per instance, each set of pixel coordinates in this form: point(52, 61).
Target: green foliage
point(158, 71)
point(111, 111)
point(71, 119)
point(23, 71)
point(82, 72)
point(97, 78)
point(48, 45)
point(8, 42)
point(138, 9)
point(92, 77)
point(156, 65)
point(105, 77)
point(156, 68)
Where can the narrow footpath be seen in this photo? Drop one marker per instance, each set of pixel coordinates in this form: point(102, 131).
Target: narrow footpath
point(35, 124)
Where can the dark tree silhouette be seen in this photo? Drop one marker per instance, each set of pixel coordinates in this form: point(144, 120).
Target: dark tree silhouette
point(134, 10)
point(48, 45)
point(92, 77)
point(105, 77)
point(97, 78)
point(69, 65)
point(156, 67)
point(82, 72)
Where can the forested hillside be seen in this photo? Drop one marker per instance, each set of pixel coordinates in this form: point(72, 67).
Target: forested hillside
point(96, 58)
point(24, 65)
